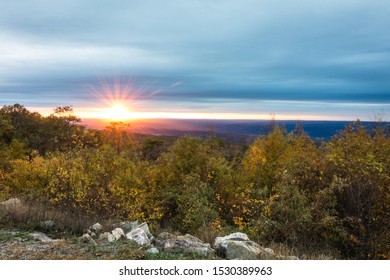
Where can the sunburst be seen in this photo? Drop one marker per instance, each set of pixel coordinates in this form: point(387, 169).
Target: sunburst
point(117, 112)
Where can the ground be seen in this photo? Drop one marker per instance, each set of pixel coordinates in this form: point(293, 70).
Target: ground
point(20, 245)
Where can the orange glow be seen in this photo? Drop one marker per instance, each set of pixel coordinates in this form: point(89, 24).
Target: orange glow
point(104, 113)
point(116, 112)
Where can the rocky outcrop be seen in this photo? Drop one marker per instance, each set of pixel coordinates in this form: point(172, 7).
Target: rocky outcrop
point(185, 243)
point(139, 233)
point(237, 246)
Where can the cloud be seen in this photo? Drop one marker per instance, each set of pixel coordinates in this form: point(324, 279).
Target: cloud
point(197, 51)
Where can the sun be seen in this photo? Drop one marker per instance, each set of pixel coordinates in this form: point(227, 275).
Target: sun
point(118, 112)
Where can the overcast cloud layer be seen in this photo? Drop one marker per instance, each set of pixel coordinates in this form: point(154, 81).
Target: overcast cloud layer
point(196, 54)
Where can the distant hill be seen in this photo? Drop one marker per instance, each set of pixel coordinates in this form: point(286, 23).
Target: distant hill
point(236, 130)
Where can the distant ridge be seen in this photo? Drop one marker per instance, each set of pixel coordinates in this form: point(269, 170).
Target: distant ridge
point(231, 128)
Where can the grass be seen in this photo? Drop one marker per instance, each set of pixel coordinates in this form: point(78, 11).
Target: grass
point(6, 236)
point(30, 216)
point(70, 225)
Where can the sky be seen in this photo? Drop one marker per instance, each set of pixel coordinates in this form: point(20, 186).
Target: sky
point(247, 59)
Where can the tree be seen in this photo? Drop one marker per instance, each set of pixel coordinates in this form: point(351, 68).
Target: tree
point(118, 135)
point(359, 163)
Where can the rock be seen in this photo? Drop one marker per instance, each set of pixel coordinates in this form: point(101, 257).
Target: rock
point(139, 236)
point(153, 251)
point(86, 238)
point(238, 246)
point(269, 251)
point(187, 243)
point(145, 228)
point(165, 235)
point(126, 226)
point(41, 237)
point(96, 228)
point(118, 233)
point(238, 236)
point(11, 203)
point(106, 237)
point(239, 250)
point(48, 225)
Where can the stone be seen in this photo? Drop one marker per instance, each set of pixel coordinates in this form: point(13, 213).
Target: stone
point(41, 237)
point(165, 235)
point(269, 251)
point(86, 238)
point(118, 233)
point(145, 228)
point(126, 226)
point(185, 243)
point(139, 236)
point(153, 251)
point(48, 225)
point(238, 250)
point(96, 228)
point(238, 236)
point(11, 203)
point(106, 237)
point(238, 246)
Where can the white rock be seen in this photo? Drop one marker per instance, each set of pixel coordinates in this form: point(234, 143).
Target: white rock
point(97, 227)
point(269, 251)
point(107, 236)
point(127, 226)
point(118, 233)
point(111, 238)
point(145, 228)
point(239, 236)
point(187, 243)
point(86, 238)
point(41, 237)
point(239, 246)
point(139, 236)
point(242, 250)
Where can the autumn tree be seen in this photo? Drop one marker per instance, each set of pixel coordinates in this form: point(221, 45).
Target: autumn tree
point(359, 162)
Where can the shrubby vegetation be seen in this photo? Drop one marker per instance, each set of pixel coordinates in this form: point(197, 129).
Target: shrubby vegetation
point(284, 187)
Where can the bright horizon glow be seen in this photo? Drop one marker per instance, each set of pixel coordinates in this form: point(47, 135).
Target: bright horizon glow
point(116, 112)
point(117, 109)
point(119, 112)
